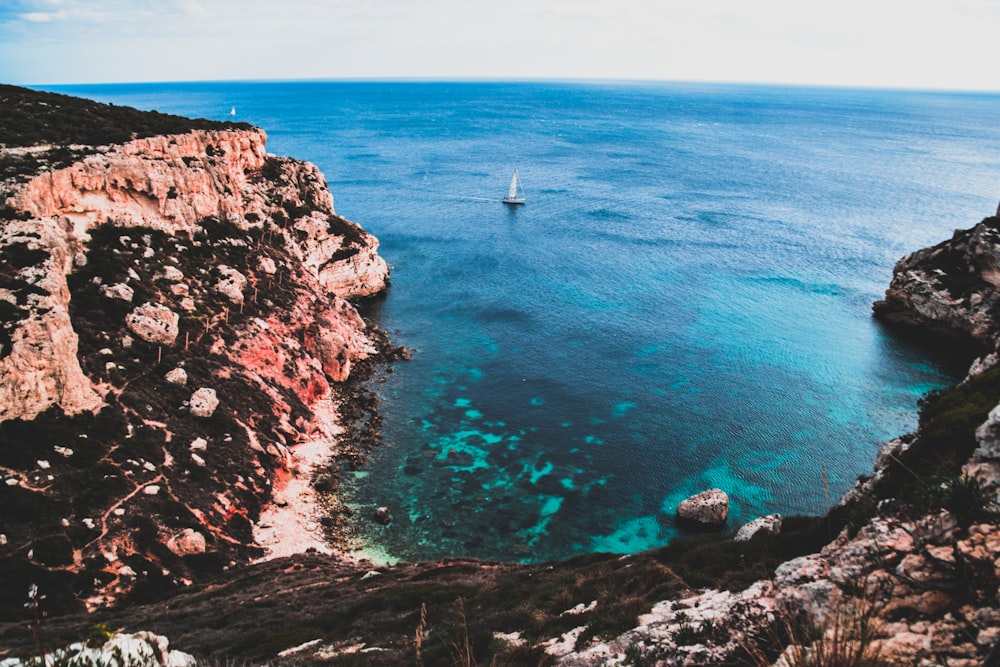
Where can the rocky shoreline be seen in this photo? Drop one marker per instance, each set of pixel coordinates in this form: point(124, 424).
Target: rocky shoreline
point(184, 366)
point(177, 336)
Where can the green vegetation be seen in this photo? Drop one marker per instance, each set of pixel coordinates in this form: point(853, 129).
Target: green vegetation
point(928, 473)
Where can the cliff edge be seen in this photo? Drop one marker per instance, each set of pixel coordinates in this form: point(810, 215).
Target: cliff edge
point(176, 326)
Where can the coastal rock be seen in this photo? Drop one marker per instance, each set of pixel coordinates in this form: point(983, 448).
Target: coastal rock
point(382, 516)
point(204, 402)
point(154, 323)
point(770, 523)
point(138, 648)
point(710, 508)
point(949, 291)
point(170, 223)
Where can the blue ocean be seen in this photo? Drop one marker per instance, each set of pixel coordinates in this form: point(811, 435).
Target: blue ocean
point(683, 302)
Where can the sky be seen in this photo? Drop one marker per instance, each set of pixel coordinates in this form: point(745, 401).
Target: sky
point(924, 44)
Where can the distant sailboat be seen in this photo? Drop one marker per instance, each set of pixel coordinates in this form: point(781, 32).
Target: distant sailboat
point(232, 112)
point(515, 194)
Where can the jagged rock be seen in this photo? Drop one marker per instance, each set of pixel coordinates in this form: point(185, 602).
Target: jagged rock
point(187, 542)
point(710, 508)
point(177, 376)
point(988, 436)
point(198, 445)
point(154, 323)
point(231, 284)
point(203, 402)
point(768, 524)
point(949, 291)
point(382, 516)
point(119, 291)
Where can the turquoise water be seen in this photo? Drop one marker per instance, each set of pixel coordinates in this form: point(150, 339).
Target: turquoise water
point(683, 302)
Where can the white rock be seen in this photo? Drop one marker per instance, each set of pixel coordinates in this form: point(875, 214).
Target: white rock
point(119, 291)
point(199, 445)
point(154, 323)
point(768, 524)
point(709, 507)
point(988, 436)
point(177, 376)
point(204, 402)
point(197, 459)
point(267, 265)
point(172, 273)
point(151, 490)
point(186, 542)
point(231, 284)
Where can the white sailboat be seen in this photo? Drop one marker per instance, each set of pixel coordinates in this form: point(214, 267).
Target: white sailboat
point(515, 194)
point(232, 112)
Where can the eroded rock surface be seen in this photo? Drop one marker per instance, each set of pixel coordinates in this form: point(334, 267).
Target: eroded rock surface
point(191, 260)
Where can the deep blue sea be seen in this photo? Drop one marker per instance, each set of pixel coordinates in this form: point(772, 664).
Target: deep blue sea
point(684, 301)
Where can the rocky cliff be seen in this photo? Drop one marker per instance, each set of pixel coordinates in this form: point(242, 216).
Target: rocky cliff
point(175, 325)
point(177, 343)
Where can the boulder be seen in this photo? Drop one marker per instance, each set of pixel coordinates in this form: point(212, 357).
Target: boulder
point(382, 516)
point(231, 284)
point(172, 273)
point(768, 524)
point(267, 265)
point(204, 402)
point(187, 542)
point(154, 323)
point(177, 376)
point(708, 508)
point(119, 291)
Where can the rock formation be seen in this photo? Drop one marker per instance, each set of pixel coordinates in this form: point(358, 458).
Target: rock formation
point(708, 508)
point(191, 259)
point(950, 290)
point(120, 485)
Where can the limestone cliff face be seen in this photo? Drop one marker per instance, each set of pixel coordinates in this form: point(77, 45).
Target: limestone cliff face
point(949, 291)
point(174, 321)
point(170, 184)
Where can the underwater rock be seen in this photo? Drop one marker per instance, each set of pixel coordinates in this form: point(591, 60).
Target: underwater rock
point(382, 516)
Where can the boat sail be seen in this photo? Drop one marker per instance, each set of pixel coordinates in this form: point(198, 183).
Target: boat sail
point(232, 112)
point(515, 194)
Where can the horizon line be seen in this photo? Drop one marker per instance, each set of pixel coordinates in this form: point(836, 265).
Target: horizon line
point(539, 80)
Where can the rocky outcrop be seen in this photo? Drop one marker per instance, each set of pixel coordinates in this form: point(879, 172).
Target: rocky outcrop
point(708, 508)
point(949, 291)
point(188, 260)
point(767, 524)
point(169, 184)
point(139, 648)
point(154, 323)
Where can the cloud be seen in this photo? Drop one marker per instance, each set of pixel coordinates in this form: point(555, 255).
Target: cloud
point(44, 17)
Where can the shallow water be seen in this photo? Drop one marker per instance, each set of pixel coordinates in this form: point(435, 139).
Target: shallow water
point(683, 302)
